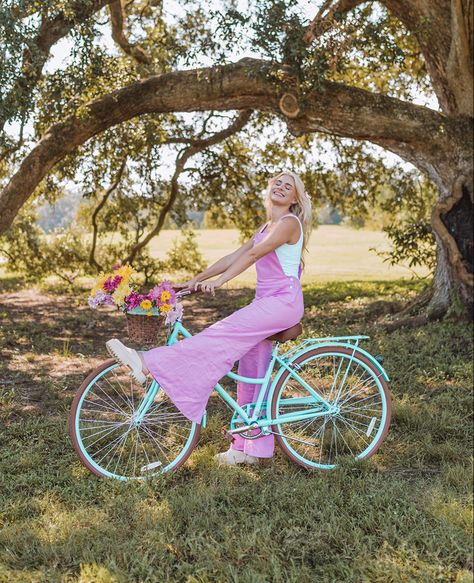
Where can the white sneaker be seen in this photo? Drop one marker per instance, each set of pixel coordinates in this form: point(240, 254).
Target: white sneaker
point(231, 457)
point(127, 356)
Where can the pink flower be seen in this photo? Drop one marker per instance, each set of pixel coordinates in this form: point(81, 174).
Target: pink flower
point(156, 293)
point(175, 314)
point(133, 300)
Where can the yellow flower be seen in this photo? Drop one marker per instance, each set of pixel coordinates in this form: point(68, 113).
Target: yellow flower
point(125, 271)
point(120, 294)
point(165, 295)
point(166, 308)
point(149, 314)
point(123, 286)
point(146, 304)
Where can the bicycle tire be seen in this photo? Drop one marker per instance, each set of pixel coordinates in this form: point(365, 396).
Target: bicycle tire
point(292, 450)
point(107, 409)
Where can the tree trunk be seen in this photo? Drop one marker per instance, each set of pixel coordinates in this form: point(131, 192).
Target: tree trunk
point(444, 32)
point(452, 222)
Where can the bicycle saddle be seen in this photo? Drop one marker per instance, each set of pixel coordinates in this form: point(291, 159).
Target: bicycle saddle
point(288, 334)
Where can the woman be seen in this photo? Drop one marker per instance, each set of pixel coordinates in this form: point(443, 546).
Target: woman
point(189, 369)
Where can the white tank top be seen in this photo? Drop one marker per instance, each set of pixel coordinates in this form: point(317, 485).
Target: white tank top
point(289, 254)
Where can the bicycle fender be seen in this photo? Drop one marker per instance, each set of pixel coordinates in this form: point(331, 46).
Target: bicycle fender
point(372, 359)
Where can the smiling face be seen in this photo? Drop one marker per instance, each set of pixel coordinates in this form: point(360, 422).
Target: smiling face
point(283, 191)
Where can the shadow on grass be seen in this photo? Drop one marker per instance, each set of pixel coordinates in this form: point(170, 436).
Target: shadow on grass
point(402, 515)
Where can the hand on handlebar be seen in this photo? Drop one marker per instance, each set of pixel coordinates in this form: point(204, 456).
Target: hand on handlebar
point(193, 286)
point(186, 285)
point(209, 286)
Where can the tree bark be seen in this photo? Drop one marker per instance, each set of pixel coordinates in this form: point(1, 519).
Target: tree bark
point(452, 222)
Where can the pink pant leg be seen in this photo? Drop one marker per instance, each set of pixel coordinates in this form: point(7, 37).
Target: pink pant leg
point(254, 364)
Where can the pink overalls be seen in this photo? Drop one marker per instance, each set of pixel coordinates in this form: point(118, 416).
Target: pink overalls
point(189, 369)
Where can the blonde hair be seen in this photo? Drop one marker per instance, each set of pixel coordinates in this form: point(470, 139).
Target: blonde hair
point(301, 208)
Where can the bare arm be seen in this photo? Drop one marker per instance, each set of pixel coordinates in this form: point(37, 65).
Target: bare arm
point(283, 232)
point(224, 263)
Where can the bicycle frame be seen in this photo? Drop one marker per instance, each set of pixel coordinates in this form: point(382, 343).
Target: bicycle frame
point(323, 407)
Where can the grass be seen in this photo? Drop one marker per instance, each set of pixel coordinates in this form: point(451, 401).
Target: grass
point(404, 515)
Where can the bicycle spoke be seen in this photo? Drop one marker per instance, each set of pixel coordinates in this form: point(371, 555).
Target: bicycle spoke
point(103, 407)
point(107, 432)
point(113, 400)
point(342, 437)
point(157, 443)
point(345, 382)
point(354, 429)
point(123, 391)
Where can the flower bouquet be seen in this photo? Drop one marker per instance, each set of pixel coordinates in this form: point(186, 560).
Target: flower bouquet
point(117, 289)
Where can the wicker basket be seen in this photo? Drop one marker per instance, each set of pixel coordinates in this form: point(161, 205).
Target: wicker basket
point(142, 329)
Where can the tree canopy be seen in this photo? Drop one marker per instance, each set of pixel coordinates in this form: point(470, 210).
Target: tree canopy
point(349, 75)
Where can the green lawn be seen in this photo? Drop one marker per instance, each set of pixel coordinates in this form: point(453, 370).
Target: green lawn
point(405, 515)
point(334, 253)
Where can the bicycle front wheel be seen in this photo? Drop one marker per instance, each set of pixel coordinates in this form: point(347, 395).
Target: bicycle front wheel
point(111, 438)
point(349, 382)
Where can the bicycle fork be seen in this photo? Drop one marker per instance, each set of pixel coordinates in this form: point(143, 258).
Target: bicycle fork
point(145, 404)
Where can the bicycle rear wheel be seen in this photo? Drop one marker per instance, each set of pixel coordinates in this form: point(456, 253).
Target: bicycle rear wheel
point(107, 437)
point(354, 385)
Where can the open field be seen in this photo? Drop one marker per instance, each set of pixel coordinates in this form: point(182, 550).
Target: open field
point(335, 253)
point(404, 516)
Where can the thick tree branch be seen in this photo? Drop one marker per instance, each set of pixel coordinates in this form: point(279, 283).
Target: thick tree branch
point(117, 20)
point(37, 52)
point(198, 145)
point(414, 132)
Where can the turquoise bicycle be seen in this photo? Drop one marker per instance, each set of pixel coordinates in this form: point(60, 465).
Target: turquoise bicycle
point(328, 401)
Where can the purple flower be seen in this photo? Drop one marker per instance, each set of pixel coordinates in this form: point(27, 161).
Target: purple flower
point(100, 298)
point(156, 293)
point(112, 283)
